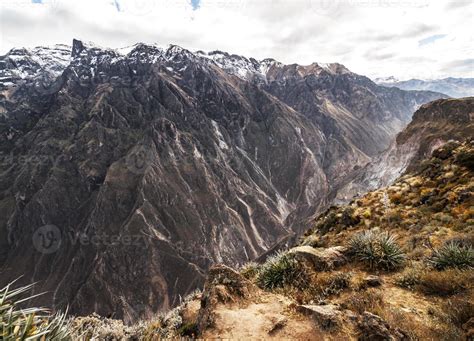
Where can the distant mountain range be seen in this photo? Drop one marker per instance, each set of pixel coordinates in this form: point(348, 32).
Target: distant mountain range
point(454, 87)
point(125, 174)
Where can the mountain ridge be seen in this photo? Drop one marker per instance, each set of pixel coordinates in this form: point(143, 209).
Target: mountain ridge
point(451, 86)
point(433, 125)
point(182, 163)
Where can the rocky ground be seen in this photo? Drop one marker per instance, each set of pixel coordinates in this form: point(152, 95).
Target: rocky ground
point(395, 264)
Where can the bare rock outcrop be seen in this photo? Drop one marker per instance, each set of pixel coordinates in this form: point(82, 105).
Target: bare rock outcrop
point(223, 286)
point(374, 328)
point(321, 258)
point(326, 316)
point(372, 281)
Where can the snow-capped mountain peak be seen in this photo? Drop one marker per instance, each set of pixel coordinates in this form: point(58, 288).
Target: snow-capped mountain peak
point(22, 64)
point(390, 79)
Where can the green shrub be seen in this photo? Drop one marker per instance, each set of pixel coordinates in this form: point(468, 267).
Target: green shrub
point(465, 158)
point(281, 270)
point(348, 218)
point(333, 283)
point(453, 255)
point(29, 323)
point(249, 270)
point(446, 151)
point(313, 240)
point(327, 221)
point(378, 250)
point(188, 329)
point(409, 278)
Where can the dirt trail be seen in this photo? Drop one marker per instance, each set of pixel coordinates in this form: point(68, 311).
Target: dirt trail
point(267, 318)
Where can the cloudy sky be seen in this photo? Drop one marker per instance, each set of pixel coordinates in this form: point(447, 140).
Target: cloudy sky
point(403, 38)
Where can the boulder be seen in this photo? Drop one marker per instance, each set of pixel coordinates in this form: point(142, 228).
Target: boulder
point(223, 285)
point(372, 281)
point(321, 259)
point(374, 328)
point(326, 316)
point(190, 311)
point(277, 324)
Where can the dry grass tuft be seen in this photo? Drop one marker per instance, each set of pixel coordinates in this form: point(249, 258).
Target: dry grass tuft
point(370, 300)
point(445, 283)
point(459, 309)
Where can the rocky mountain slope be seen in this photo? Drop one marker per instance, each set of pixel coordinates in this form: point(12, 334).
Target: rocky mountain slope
point(126, 173)
point(454, 87)
point(395, 264)
point(433, 125)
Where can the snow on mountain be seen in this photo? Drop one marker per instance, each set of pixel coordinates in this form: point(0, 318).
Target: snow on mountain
point(22, 64)
point(386, 80)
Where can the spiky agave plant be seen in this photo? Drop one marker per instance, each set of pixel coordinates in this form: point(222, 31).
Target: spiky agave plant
point(362, 246)
point(453, 255)
point(30, 323)
point(249, 270)
point(391, 255)
point(378, 250)
point(280, 270)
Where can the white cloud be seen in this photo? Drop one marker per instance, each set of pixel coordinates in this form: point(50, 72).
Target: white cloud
point(371, 37)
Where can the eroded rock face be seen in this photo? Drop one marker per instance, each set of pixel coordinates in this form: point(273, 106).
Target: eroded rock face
point(326, 316)
point(374, 328)
point(433, 125)
point(321, 259)
point(223, 286)
point(125, 176)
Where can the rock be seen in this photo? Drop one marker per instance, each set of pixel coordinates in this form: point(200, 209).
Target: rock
point(190, 311)
point(350, 315)
point(372, 281)
point(277, 325)
point(326, 316)
point(228, 277)
point(223, 285)
point(374, 328)
point(321, 259)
